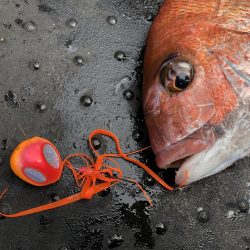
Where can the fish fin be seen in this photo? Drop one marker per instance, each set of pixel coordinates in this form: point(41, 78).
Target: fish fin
point(235, 65)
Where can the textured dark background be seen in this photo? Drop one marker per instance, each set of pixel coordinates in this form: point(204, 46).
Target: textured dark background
point(33, 31)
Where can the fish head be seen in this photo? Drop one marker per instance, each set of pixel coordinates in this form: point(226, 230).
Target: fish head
point(190, 92)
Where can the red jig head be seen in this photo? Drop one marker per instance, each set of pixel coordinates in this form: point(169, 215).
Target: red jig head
point(37, 161)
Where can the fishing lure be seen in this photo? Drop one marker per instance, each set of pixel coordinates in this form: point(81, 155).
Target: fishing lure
point(38, 162)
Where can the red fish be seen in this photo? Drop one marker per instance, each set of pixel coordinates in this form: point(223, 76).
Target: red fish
point(196, 91)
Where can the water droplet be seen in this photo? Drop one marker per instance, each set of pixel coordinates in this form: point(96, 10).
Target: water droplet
point(96, 143)
point(71, 23)
point(78, 60)
point(36, 65)
point(200, 209)
point(120, 56)
point(149, 17)
point(160, 228)
point(29, 26)
point(115, 241)
point(105, 192)
point(128, 95)
point(231, 215)
point(41, 107)
point(203, 217)
point(243, 206)
point(1, 161)
point(86, 100)
point(55, 197)
point(111, 20)
point(2, 40)
point(137, 135)
point(149, 181)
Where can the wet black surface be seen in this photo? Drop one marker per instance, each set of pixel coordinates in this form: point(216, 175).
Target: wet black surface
point(52, 54)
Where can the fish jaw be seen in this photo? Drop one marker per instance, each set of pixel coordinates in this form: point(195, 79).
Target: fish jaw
point(232, 146)
point(208, 162)
point(194, 143)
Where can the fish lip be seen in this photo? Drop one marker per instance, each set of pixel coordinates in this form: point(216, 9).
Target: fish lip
point(189, 146)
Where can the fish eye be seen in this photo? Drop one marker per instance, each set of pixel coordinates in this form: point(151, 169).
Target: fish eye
point(176, 75)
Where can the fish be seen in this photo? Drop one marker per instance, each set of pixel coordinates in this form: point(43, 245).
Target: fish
point(196, 86)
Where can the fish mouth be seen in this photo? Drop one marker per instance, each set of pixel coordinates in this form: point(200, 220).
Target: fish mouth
point(175, 154)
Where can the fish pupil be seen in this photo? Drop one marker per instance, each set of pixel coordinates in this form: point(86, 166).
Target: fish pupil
point(182, 81)
point(176, 75)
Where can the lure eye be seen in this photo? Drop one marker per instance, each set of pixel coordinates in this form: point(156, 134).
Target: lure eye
point(37, 161)
point(176, 75)
point(51, 156)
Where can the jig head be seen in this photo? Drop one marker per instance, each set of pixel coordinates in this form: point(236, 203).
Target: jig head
point(37, 161)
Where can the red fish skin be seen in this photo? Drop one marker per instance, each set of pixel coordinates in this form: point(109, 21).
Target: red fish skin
point(201, 32)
